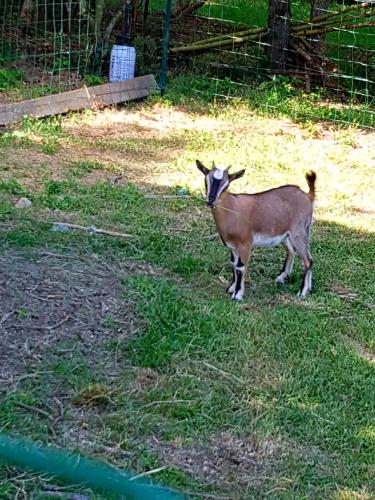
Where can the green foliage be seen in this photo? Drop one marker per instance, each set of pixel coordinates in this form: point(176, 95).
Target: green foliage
point(61, 63)
point(50, 147)
point(12, 186)
point(93, 79)
point(14, 139)
point(200, 89)
point(81, 168)
point(9, 79)
point(48, 127)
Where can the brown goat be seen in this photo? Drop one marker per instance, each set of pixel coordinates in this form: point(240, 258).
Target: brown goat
point(281, 215)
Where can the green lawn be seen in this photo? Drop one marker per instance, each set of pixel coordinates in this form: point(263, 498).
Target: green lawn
point(142, 360)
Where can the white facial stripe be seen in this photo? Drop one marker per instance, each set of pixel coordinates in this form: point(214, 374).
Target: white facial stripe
point(208, 180)
point(218, 174)
point(222, 189)
point(223, 184)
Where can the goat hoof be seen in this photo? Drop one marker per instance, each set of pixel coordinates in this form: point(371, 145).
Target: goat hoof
point(280, 281)
point(230, 289)
point(237, 296)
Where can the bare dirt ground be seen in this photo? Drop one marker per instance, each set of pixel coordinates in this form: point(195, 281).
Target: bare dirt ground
point(51, 304)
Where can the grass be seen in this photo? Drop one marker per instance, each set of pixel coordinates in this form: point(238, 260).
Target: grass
point(278, 97)
point(269, 396)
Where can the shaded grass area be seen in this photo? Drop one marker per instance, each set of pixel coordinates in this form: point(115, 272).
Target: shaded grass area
point(270, 396)
point(278, 97)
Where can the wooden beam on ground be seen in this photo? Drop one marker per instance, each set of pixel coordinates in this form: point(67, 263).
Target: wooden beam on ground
point(73, 100)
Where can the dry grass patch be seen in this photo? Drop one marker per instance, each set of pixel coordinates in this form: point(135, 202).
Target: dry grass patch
point(226, 462)
point(361, 350)
point(138, 121)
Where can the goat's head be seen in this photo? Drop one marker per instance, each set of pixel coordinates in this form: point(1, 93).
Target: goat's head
point(216, 181)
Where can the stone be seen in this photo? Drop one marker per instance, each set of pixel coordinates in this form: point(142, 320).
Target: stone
point(23, 203)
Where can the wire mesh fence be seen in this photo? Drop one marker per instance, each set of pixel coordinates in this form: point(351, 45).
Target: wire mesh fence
point(318, 43)
point(55, 45)
point(225, 47)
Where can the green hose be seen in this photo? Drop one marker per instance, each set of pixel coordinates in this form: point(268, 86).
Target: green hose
point(77, 469)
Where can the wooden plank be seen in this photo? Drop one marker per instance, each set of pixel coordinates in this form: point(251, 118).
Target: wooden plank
point(73, 100)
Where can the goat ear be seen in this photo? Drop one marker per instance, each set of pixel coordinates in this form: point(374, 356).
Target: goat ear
point(236, 175)
point(202, 168)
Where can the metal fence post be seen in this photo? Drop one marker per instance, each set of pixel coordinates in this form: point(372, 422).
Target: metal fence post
point(164, 60)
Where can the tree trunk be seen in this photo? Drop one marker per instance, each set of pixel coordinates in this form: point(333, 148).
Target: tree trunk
point(146, 9)
point(318, 8)
point(99, 13)
point(279, 19)
point(27, 11)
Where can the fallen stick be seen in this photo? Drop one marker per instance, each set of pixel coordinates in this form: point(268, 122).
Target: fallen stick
point(230, 36)
point(225, 374)
point(211, 236)
point(7, 315)
point(149, 472)
point(65, 226)
point(34, 409)
point(43, 327)
point(348, 27)
point(167, 196)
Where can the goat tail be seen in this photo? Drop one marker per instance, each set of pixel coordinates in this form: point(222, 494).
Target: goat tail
point(311, 178)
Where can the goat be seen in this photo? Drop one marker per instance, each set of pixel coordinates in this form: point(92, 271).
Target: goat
point(282, 215)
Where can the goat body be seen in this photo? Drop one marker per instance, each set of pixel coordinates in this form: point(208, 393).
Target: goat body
point(278, 216)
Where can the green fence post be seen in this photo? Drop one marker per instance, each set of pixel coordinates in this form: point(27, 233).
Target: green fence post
point(164, 60)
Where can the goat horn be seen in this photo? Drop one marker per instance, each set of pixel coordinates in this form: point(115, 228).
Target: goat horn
point(213, 164)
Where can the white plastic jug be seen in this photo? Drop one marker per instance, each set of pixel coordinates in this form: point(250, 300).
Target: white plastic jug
point(122, 63)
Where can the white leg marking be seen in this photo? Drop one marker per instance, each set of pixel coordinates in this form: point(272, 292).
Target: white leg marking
point(239, 295)
point(233, 286)
point(241, 291)
point(310, 280)
point(281, 278)
point(288, 266)
point(306, 286)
